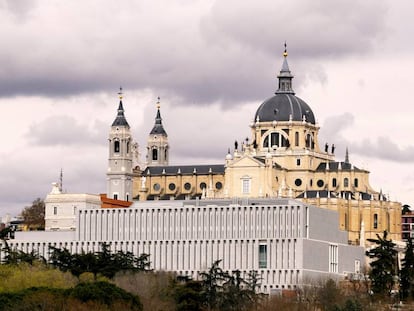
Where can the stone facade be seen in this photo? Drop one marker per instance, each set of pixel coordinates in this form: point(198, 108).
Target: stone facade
point(61, 208)
point(282, 159)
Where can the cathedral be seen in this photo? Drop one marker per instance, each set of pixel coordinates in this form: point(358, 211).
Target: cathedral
point(281, 159)
point(278, 204)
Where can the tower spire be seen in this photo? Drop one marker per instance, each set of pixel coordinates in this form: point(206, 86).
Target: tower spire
point(120, 118)
point(346, 155)
point(285, 76)
point(158, 148)
point(119, 174)
point(158, 127)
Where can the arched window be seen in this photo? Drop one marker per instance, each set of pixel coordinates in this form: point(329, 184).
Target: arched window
point(154, 154)
point(127, 147)
point(375, 223)
point(346, 182)
point(275, 140)
point(309, 141)
point(334, 182)
point(356, 182)
point(296, 139)
point(116, 146)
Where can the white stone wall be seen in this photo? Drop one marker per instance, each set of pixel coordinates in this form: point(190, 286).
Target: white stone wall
point(61, 209)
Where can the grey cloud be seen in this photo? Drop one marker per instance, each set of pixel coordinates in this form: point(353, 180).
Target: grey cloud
point(18, 8)
point(385, 148)
point(218, 56)
point(381, 147)
point(65, 130)
point(312, 29)
point(83, 169)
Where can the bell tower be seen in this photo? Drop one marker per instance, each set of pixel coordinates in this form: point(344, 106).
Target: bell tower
point(119, 175)
point(157, 147)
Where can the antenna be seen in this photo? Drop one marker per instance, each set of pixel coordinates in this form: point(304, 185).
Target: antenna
point(61, 180)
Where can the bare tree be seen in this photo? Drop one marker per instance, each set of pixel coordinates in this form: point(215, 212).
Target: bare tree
point(34, 215)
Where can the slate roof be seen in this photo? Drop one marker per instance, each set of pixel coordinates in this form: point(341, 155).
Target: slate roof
point(120, 118)
point(214, 169)
point(334, 166)
point(311, 194)
point(281, 107)
point(158, 127)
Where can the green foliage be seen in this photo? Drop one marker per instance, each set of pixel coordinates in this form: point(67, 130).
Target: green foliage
point(405, 209)
point(18, 277)
point(5, 233)
point(105, 293)
point(35, 298)
point(383, 265)
point(329, 296)
point(85, 296)
point(14, 257)
point(34, 215)
point(407, 272)
point(104, 262)
point(224, 291)
point(155, 289)
point(352, 305)
point(187, 296)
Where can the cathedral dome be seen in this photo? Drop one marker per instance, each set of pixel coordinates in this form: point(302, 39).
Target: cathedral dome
point(284, 107)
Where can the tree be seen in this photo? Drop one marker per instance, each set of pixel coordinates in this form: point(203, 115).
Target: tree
point(34, 215)
point(228, 291)
point(383, 265)
point(329, 295)
point(406, 209)
point(187, 295)
point(211, 281)
point(407, 272)
point(103, 262)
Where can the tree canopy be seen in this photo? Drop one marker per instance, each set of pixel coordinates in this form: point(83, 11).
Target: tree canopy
point(34, 215)
point(384, 266)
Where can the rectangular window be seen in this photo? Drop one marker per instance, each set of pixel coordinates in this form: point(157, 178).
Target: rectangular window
point(298, 162)
point(246, 186)
point(54, 210)
point(115, 196)
point(262, 256)
point(333, 258)
point(375, 221)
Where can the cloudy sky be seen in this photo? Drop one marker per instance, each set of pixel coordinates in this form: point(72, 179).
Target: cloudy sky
point(212, 63)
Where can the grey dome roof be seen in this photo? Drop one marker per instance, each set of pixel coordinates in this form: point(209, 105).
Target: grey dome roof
point(283, 107)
